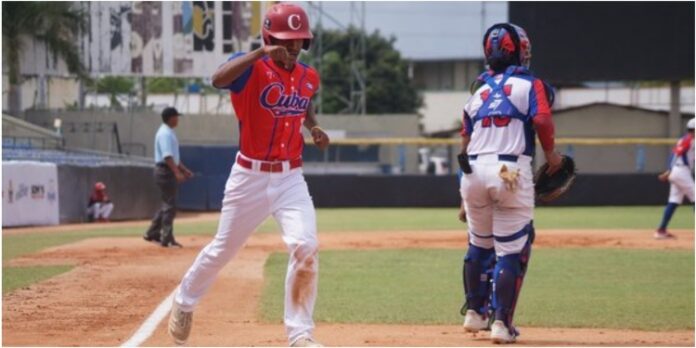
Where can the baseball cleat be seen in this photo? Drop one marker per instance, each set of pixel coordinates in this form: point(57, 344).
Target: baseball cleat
point(663, 234)
point(501, 334)
point(306, 342)
point(473, 322)
point(151, 239)
point(180, 324)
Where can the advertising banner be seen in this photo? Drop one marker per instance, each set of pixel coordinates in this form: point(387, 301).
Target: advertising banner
point(29, 193)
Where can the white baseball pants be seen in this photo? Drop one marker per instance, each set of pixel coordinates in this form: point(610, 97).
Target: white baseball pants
point(681, 184)
point(494, 211)
point(250, 197)
point(101, 210)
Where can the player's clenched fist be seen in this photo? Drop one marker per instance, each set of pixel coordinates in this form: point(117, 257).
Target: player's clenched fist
point(277, 53)
point(321, 139)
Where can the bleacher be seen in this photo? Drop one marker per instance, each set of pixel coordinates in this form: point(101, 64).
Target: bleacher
point(66, 157)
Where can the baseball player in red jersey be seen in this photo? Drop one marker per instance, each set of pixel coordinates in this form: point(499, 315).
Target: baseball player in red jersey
point(508, 106)
point(271, 93)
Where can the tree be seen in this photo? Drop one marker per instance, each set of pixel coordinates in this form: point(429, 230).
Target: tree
point(388, 87)
point(56, 24)
point(113, 86)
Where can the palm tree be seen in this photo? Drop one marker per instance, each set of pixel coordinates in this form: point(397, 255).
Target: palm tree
point(56, 24)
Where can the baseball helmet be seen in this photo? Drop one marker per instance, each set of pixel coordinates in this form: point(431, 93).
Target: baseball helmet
point(507, 44)
point(99, 186)
point(286, 22)
point(690, 124)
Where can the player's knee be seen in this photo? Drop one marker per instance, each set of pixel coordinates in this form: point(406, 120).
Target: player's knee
point(515, 243)
point(476, 253)
point(305, 253)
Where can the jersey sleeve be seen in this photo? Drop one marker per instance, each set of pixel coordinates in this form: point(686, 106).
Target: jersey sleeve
point(540, 113)
point(539, 101)
point(238, 84)
point(467, 125)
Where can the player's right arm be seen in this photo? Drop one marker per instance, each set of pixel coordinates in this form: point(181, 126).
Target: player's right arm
point(227, 73)
point(544, 126)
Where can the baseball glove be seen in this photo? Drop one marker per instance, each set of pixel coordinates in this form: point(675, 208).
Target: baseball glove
point(549, 187)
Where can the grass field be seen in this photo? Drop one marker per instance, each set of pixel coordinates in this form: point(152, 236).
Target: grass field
point(595, 288)
point(17, 277)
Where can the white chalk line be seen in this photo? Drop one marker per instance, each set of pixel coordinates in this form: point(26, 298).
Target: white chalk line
point(151, 323)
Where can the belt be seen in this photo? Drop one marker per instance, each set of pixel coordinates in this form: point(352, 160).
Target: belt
point(270, 167)
point(506, 158)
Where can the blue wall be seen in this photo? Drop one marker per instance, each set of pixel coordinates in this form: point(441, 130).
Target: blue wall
point(212, 165)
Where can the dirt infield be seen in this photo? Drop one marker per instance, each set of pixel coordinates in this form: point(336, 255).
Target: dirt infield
point(117, 283)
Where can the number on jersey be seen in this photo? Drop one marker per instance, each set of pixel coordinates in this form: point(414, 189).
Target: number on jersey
point(498, 121)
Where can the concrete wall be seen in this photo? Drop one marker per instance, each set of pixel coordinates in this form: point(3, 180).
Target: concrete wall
point(609, 121)
point(132, 190)
point(137, 130)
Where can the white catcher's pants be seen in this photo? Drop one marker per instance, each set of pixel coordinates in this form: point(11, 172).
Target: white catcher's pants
point(494, 211)
point(250, 197)
point(681, 184)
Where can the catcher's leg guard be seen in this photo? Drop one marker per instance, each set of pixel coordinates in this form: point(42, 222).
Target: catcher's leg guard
point(507, 279)
point(477, 273)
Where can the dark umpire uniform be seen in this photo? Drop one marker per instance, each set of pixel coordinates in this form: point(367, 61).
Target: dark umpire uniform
point(169, 173)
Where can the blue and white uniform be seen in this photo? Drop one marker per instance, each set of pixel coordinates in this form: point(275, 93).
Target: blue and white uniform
point(498, 118)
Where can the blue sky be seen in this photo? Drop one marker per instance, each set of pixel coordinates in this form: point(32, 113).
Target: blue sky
point(424, 30)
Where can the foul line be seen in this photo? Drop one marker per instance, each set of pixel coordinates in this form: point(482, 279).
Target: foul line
point(150, 324)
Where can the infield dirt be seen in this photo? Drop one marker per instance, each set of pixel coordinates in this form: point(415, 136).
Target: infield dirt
point(117, 283)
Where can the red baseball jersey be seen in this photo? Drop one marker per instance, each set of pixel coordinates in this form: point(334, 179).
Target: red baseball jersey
point(271, 104)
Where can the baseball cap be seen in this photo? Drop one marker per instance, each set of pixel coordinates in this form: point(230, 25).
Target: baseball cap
point(690, 124)
point(170, 112)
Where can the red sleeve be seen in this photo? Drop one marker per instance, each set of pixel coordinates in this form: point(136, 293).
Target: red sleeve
point(543, 122)
point(683, 145)
point(467, 125)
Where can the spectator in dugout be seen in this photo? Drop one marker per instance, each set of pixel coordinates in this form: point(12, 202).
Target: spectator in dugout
point(100, 206)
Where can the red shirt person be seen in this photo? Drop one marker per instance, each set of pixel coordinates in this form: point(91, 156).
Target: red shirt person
point(272, 97)
point(100, 206)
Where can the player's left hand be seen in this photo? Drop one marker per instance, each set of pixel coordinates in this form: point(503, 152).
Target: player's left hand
point(320, 138)
point(462, 214)
point(555, 162)
point(664, 177)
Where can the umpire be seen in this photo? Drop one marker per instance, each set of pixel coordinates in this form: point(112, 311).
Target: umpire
point(169, 173)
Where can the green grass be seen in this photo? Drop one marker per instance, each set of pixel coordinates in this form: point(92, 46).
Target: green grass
point(611, 288)
point(378, 219)
point(18, 277)
point(373, 219)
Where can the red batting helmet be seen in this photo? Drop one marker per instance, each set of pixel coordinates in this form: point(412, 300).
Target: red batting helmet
point(99, 186)
point(507, 44)
point(286, 22)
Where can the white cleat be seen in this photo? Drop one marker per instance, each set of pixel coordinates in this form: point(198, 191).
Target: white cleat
point(474, 322)
point(306, 342)
point(501, 334)
point(180, 324)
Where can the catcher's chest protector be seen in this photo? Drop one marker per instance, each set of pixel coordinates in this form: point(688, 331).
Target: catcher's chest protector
point(501, 112)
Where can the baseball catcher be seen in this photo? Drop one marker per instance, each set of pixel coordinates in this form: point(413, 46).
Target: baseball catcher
point(509, 106)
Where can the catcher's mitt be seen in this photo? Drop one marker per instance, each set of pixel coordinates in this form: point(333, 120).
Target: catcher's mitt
point(548, 188)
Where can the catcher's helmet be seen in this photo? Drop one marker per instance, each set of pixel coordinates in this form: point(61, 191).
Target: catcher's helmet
point(99, 186)
point(506, 44)
point(286, 22)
